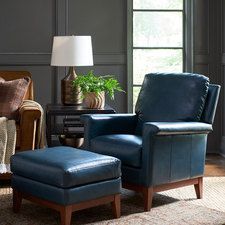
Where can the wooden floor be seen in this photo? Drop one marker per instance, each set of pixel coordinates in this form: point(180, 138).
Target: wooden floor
point(215, 165)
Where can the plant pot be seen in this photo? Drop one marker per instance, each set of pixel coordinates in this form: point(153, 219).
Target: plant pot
point(93, 101)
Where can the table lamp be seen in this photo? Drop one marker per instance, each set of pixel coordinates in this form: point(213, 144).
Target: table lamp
point(71, 51)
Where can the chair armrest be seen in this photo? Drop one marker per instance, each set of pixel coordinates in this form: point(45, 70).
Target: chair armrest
point(103, 124)
point(173, 128)
point(173, 150)
point(28, 116)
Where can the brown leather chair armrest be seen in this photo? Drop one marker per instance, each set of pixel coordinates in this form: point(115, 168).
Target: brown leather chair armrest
point(28, 123)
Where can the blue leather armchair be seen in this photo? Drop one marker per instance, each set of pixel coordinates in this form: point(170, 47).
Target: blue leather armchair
point(162, 145)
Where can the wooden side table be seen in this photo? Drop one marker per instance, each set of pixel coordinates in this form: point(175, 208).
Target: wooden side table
point(61, 119)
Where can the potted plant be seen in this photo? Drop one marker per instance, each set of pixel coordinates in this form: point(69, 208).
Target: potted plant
point(94, 88)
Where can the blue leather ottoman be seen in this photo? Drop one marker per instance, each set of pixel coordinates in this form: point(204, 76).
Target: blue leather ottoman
point(66, 179)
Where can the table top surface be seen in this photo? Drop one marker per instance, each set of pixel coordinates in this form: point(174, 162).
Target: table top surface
point(59, 108)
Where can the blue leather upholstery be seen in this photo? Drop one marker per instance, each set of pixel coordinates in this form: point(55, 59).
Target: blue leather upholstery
point(174, 115)
point(168, 128)
point(127, 147)
point(171, 158)
point(67, 196)
point(65, 167)
point(108, 124)
point(211, 100)
point(171, 97)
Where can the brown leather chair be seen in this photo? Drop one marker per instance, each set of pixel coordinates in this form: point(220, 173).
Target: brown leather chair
point(26, 126)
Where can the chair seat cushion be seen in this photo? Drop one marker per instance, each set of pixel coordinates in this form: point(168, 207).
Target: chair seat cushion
point(125, 147)
point(65, 167)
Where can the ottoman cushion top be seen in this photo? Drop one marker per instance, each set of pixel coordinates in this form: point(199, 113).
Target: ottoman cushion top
point(65, 167)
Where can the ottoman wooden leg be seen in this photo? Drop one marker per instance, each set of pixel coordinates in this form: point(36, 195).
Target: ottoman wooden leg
point(66, 214)
point(17, 201)
point(116, 206)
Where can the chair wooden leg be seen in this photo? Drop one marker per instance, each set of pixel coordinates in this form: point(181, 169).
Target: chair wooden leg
point(66, 214)
point(116, 206)
point(148, 196)
point(199, 188)
point(17, 201)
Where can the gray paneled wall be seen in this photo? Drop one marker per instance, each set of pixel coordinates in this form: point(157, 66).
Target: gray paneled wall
point(207, 56)
point(28, 26)
point(27, 29)
point(105, 21)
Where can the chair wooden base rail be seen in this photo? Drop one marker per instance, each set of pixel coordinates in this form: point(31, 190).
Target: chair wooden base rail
point(66, 210)
point(149, 191)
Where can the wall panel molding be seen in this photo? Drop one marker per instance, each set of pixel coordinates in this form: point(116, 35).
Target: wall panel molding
point(223, 59)
point(39, 59)
point(61, 17)
point(43, 59)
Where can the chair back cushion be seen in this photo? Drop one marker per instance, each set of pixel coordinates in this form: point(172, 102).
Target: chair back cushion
point(171, 98)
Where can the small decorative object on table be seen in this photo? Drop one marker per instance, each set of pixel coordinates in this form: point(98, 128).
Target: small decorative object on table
point(93, 88)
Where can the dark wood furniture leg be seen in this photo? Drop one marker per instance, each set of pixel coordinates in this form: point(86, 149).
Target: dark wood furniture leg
point(116, 206)
point(199, 188)
point(149, 191)
point(17, 201)
point(66, 211)
point(66, 215)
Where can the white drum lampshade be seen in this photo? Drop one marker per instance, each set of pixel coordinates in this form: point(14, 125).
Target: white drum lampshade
point(71, 51)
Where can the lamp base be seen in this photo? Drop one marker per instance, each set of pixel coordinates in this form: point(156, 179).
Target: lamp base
point(70, 96)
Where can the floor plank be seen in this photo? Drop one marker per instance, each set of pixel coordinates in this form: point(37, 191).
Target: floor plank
point(215, 165)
